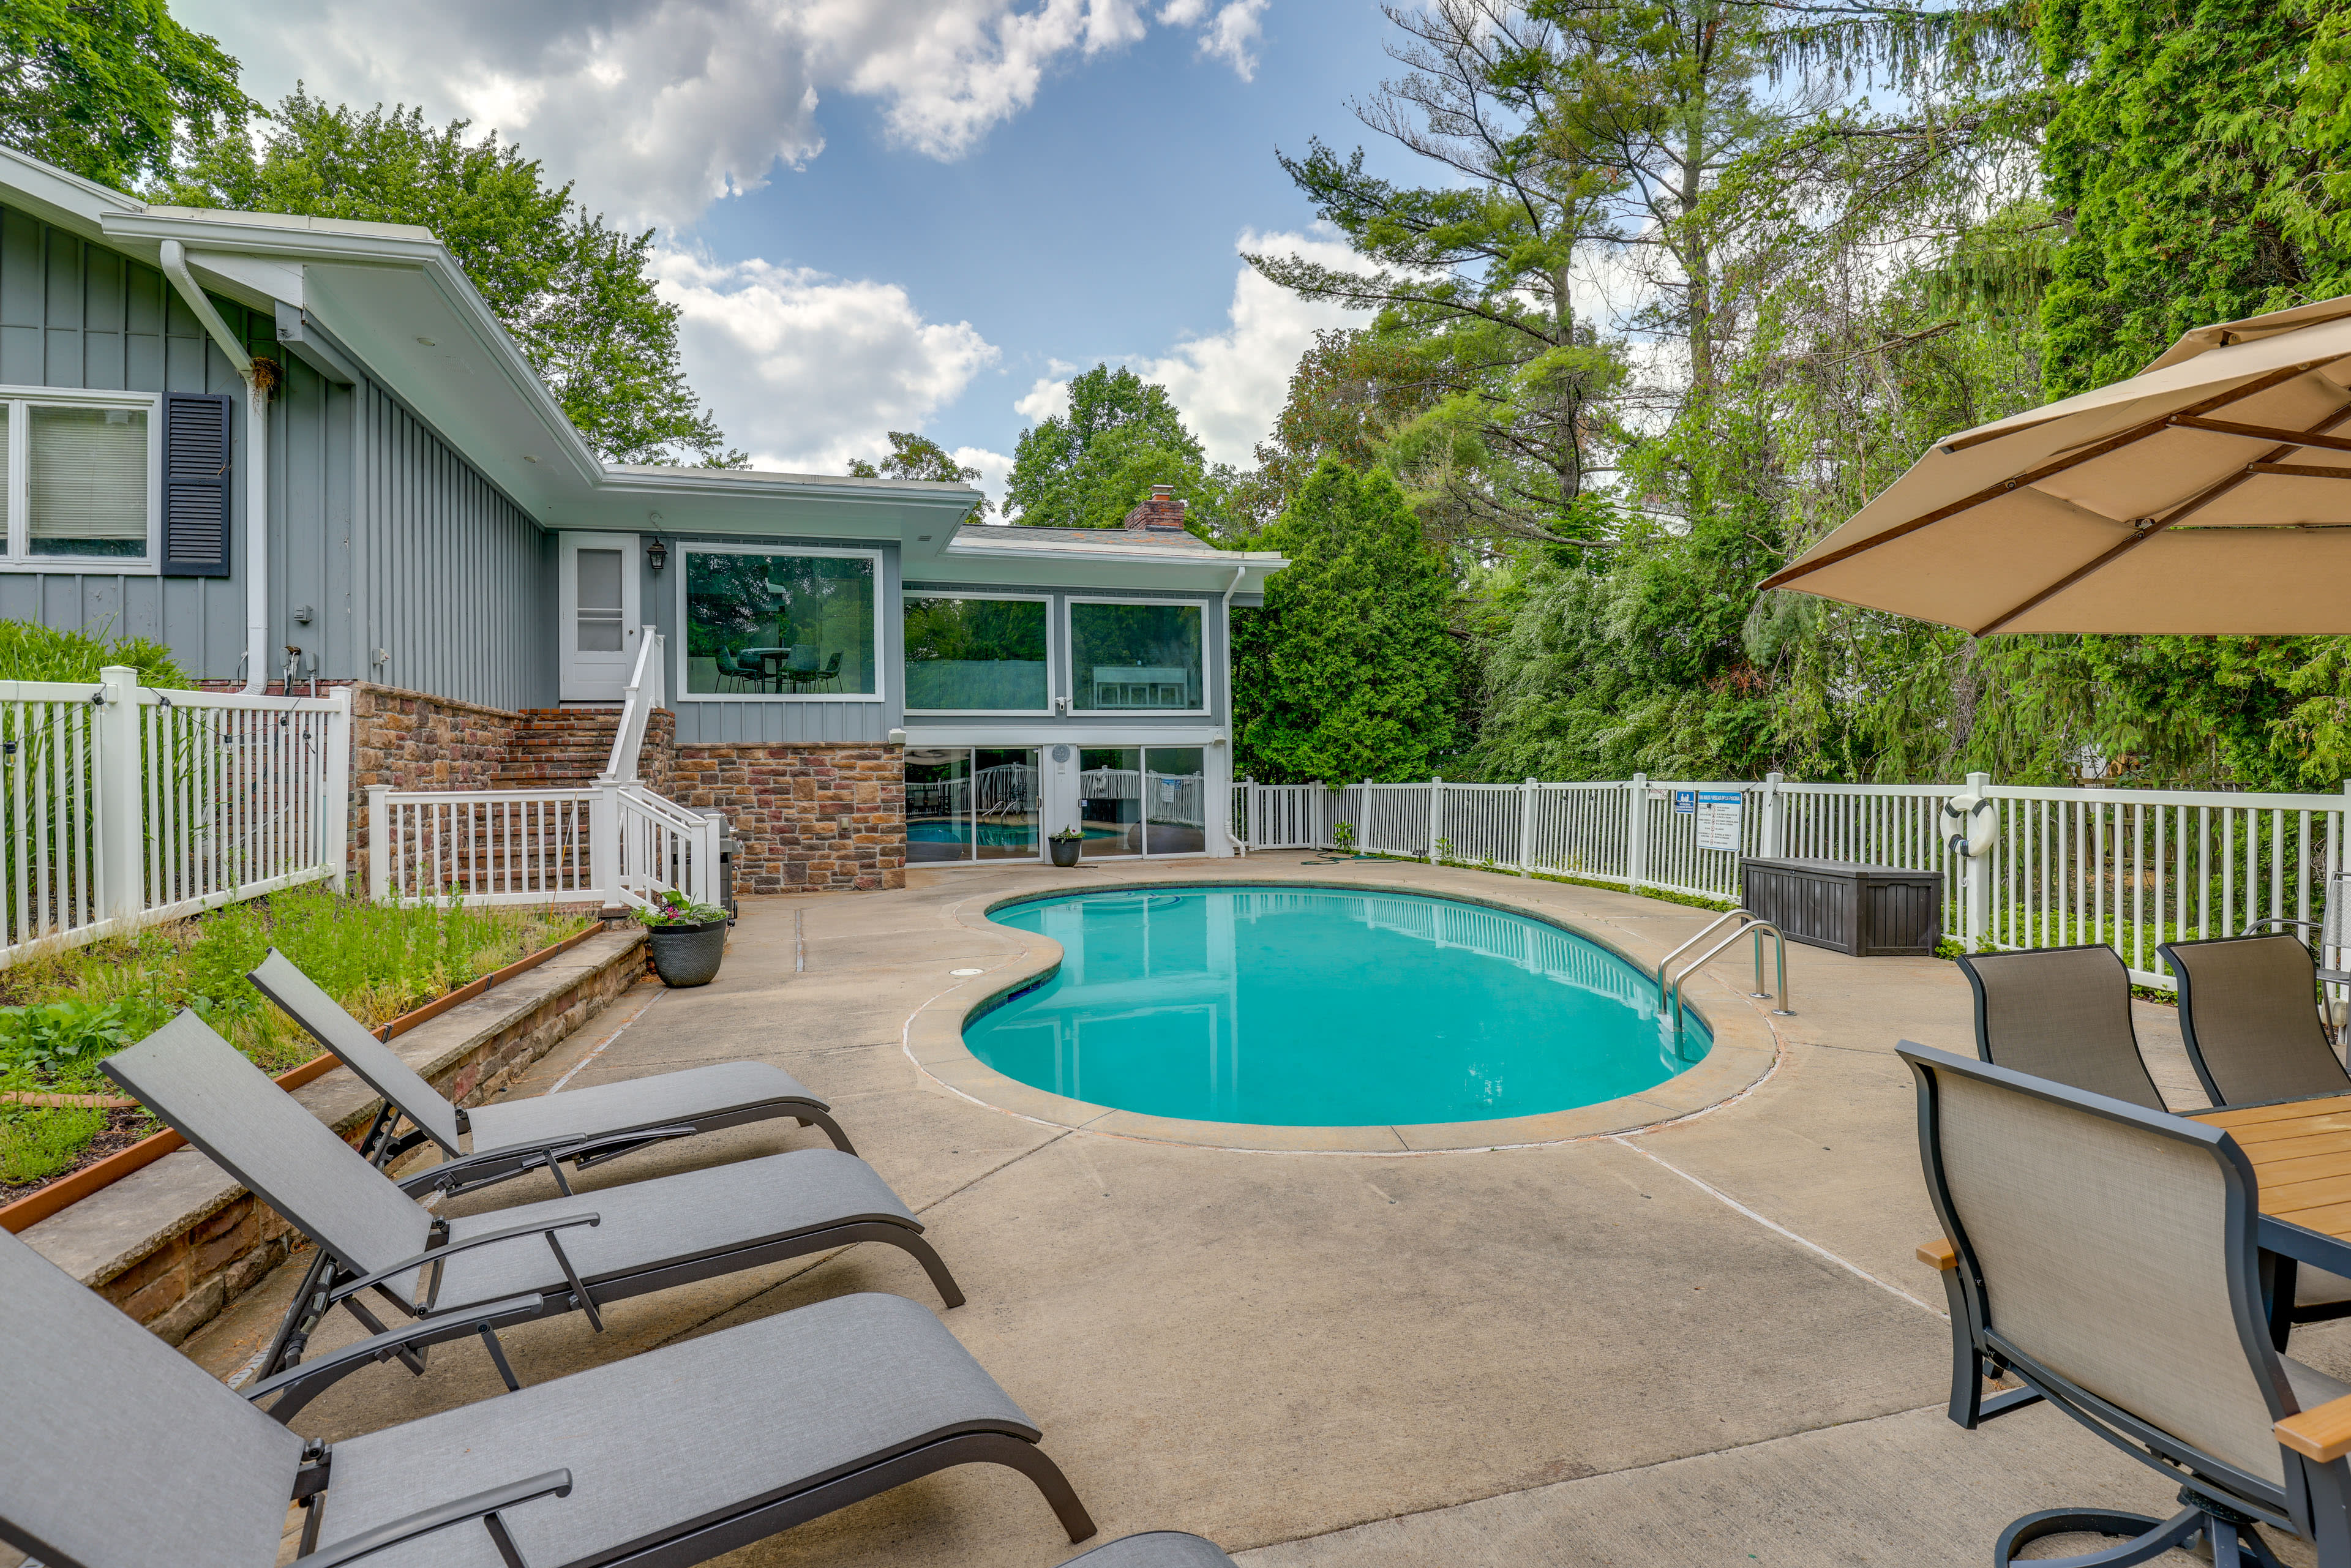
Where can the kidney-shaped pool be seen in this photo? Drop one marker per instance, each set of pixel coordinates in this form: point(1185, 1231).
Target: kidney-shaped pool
point(1313, 1007)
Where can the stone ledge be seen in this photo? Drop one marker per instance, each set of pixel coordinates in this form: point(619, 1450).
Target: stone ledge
point(173, 1243)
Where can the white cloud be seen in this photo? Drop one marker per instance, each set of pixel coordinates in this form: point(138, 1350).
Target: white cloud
point(1045, 398)
point(659, 108)
point(807, 370)
point(1231, 384)
point(995, 468)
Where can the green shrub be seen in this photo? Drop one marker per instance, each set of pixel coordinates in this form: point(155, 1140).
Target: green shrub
point(38, 1141)
point(33, 652)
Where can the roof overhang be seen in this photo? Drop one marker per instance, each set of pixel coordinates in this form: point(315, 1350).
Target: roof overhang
point(1008, 555)
point(390, 300)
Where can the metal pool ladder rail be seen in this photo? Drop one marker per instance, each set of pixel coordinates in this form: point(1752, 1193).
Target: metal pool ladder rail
point(1748, 924)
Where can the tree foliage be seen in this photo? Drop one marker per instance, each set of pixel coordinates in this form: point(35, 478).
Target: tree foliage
point(1350, 671)
point(574, 292)
point(108, 88)
point(1087, 468)
point(914, 457)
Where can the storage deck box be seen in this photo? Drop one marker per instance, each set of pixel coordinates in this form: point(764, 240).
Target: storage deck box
point(1868, 911)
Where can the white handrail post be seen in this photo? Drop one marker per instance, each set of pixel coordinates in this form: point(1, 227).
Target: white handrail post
point(379, 838)
point(1527, 827)
point(1975, 872)
point(604, 841)
point(1636, 833)
point(116, 789)
point(1772, 830)
point(1435, 815)
point(335, 807)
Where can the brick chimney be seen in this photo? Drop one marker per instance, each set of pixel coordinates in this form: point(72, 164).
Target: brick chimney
point(1163, 511)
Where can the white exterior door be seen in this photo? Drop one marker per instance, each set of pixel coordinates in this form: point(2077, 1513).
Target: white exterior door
point(600, 617)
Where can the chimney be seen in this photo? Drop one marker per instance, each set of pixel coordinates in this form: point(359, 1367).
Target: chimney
point(1161, 512)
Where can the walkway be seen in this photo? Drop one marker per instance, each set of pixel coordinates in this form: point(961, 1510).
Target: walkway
point(1706, 1344)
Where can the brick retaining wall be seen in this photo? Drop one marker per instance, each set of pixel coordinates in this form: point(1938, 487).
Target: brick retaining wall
point(809, 817)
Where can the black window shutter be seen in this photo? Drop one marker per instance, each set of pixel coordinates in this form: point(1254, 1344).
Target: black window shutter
point(195, 483)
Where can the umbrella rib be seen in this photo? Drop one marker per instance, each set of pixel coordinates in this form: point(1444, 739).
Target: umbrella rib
point(2149, 527)
point(1788, 574)
point(2264, 433)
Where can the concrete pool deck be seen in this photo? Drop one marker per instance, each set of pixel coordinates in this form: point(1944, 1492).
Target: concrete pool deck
point(1703, 1343)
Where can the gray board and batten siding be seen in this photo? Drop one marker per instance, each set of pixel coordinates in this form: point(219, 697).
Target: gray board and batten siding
point(376, 524)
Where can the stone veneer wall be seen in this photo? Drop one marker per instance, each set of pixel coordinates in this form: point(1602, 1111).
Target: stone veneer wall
point(809, 817)
point(412, 741)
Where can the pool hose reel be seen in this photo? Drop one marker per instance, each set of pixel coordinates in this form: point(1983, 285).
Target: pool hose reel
point(1980, 827)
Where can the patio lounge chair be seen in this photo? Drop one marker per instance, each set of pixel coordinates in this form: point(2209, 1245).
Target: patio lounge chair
point(481, 1273)
point(2103, 1255)
point(584, 1127)
point(2061, 1013)
point(2249, 1012)
point(1155, 1548)
point(123, 1453)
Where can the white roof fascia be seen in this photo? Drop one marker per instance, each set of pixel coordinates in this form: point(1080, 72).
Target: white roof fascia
point(67, 200)
point(1081, 567)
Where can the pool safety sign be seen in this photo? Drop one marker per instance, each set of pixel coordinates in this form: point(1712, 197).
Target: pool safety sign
point(1685, 802)
point(1717, 819)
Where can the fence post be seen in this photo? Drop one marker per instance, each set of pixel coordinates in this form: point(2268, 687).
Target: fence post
point(604, 848)
point(1774, 834)
point(1976, 872)
point(1636, 833)
point(116, 799)
point(335, 788)
point(378, 842)
point(1527, 827)
point(1436, 811)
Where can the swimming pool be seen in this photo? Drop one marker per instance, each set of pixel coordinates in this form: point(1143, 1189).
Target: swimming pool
point(1310, 1006)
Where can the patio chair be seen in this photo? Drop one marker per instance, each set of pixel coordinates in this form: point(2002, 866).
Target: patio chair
point(477, 1273)
point(2061, 1013)
point(2249, 1012)
point(2104, 1256)
point(121, 1451)
point(1155, 1548)
point(583, 1126)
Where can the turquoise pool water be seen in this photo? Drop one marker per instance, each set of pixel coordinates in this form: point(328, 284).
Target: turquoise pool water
point(1302, 1007)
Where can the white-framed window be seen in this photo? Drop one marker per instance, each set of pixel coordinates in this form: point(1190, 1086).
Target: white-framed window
point(81, 472)
point(1138, 655)
point(977, 652)
point(779, 623)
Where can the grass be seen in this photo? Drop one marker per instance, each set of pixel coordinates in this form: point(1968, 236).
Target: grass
point(63, 1014)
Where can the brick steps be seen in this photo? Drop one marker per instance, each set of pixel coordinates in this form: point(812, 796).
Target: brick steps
point(555, 749)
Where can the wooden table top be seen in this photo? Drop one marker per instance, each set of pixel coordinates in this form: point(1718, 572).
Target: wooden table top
point(2300, 1154)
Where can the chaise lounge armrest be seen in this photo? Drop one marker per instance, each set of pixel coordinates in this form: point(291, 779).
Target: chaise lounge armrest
point(425, 1260)
point(304, 1381)
point(2322, 1433)
point(483, 1505)
point(460, 1174)
point(1938, 1254)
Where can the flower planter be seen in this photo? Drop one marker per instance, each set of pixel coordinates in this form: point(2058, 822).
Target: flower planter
point(687, 954)
point(1065, 851)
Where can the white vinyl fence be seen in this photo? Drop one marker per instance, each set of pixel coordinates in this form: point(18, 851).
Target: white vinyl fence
point(123, 805)
point(2023, 866)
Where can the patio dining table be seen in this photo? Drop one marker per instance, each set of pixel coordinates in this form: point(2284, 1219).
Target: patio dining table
point(2300, 1154)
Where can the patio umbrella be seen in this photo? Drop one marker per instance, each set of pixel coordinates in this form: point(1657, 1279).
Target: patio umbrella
point(2211, 493)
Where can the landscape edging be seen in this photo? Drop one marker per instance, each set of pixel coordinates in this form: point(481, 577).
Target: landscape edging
point(174, 1243)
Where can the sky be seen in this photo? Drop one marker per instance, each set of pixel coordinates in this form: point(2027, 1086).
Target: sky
point(903, 215)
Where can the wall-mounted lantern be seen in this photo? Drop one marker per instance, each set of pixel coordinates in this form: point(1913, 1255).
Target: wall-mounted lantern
point(657, 554)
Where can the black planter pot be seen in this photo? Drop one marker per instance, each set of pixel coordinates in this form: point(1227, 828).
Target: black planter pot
point(687, 954)
point(1065, 851)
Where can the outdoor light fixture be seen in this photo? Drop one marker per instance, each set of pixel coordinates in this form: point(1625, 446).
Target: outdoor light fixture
point(657, 554)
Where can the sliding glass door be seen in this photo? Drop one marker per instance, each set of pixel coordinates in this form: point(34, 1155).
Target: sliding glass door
point(1142, 800)
point(971, 803)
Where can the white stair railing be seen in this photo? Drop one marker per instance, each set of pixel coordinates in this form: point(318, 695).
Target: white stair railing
point(645, 692)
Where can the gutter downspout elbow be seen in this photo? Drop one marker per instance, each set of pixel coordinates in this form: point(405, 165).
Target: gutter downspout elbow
point(174, 262)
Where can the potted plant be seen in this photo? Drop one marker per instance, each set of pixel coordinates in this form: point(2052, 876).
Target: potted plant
point(688, 939)
point(1065, 846)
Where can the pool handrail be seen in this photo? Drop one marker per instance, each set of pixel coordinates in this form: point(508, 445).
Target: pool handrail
point(1758, 927)
point(1666, 962)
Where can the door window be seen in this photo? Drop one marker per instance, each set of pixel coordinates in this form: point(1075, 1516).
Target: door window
point(601, 612)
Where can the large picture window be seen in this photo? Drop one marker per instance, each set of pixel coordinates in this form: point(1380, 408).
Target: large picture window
point(76, 477)
point(780, 626)
point(976, 655)
point(1128, 657)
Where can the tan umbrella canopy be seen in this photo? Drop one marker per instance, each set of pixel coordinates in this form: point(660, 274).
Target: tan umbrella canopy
point(2209, 494)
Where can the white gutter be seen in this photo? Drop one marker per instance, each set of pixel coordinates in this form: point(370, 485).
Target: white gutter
point(174, 260)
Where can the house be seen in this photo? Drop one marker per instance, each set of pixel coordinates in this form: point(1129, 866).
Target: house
point(858, 676)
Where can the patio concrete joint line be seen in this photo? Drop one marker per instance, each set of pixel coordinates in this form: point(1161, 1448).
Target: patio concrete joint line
point(572, 1071)
point(1727, 1201)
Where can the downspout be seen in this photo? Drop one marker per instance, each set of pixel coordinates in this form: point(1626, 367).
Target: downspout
point(174, 261)
point(1230, 589)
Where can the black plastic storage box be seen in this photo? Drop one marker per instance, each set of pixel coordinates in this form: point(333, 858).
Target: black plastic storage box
point(1868, 911)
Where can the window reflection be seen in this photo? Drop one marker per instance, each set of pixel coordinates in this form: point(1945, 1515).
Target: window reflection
point(971, 803)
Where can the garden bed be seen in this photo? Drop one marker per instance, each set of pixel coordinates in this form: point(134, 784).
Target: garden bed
point(62, 1015)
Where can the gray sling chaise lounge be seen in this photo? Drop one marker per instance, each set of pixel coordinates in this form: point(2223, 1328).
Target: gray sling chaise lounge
point(583, 1126)
point(2061, 1013)
point(1155, 1548)
point(480, 1272)
point(2118, 1244)
point(124, 1454)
